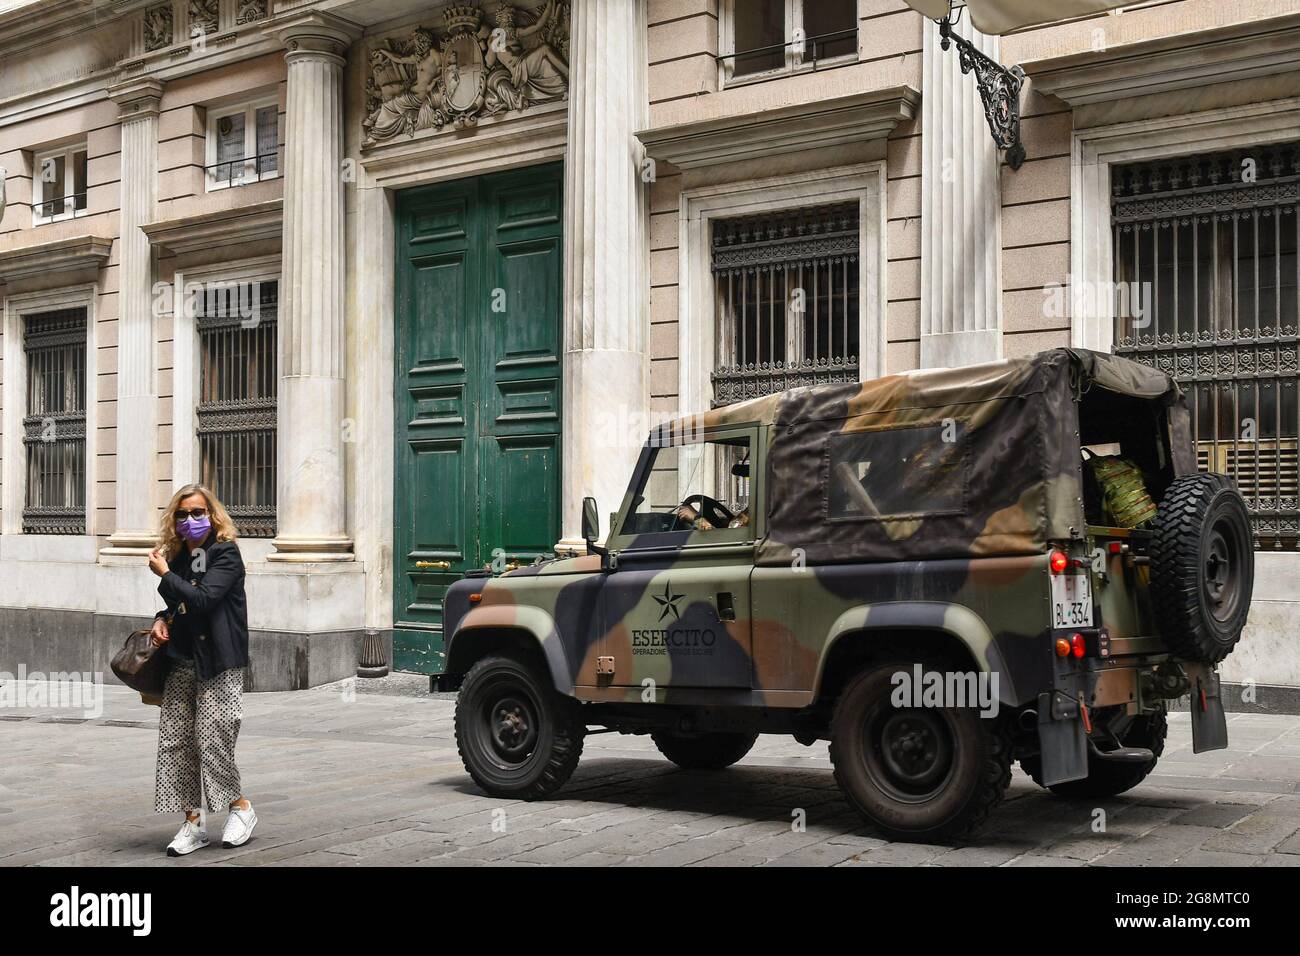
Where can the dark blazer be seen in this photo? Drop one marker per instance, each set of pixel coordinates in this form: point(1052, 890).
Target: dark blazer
point(213, 602)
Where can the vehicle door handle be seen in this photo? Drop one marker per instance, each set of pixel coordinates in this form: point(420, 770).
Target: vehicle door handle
point(726, 606)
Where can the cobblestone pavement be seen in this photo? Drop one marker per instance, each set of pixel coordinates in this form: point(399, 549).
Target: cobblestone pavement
point(342, 778)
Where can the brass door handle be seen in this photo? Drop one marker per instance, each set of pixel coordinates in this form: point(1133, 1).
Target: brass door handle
point(440, 565)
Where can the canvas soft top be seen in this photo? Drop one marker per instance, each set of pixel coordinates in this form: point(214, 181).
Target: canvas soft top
point(985, 458)
point(936, 388)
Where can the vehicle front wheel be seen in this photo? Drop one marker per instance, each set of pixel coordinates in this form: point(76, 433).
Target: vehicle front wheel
point(925, 773)
point(516, 736)
point(703, 751)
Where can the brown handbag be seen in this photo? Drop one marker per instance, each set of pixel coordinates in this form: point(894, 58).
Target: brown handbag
point(142, 666)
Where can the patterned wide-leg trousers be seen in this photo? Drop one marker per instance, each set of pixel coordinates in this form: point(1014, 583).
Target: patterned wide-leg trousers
point(197, 730)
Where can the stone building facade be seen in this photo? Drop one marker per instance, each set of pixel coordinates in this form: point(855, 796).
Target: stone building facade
point(404, 281)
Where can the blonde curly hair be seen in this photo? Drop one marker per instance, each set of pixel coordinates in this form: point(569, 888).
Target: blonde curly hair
point(170, 542)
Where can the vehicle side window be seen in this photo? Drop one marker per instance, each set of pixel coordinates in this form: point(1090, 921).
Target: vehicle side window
point(698, 486)
point(896, 472)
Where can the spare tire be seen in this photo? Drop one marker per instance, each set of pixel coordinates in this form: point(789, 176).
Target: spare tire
point(1202, 566)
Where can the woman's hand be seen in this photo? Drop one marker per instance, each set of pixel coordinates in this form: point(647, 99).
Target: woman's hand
point(156, 563)
point(159, 632)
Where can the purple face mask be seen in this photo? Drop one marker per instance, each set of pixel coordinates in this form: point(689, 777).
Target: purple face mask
point(194, 529)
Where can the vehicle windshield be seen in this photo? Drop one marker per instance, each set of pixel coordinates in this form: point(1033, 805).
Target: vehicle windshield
point(700, 485)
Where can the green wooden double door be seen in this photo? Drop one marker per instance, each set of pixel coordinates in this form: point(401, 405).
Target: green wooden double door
point(478, 399)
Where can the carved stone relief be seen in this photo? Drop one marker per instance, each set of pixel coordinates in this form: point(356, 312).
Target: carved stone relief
point(478, 65)
point(158, 27)
point(203, 17)
point(251, 11)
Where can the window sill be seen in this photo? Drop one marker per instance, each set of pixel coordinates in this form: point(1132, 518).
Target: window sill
point(47, 220)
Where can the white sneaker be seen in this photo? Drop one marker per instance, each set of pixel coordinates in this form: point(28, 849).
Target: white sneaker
point(239, 827)
point(189, 837)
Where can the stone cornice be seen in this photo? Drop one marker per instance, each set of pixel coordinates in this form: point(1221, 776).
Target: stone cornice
point(1223, 54)
point(39, 23)
point(845, 119)
point(61, 255)
point(224, 227)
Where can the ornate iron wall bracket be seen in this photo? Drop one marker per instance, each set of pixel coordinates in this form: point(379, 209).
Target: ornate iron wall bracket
point(999, 88)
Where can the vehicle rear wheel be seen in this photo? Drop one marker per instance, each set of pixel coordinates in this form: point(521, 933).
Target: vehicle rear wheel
point(516, 736)
point(1106, 778)
point(1202, 566)
point(917, 773)
point(703, 751)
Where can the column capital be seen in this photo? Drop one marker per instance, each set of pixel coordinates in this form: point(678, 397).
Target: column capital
point(137, 97)
point(314, 33)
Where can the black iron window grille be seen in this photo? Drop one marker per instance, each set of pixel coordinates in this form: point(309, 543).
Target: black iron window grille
point(235, 171)
point(1206, 289)
point(67, 206)
point(237, 400)
point(786, 288)
point(54, 428)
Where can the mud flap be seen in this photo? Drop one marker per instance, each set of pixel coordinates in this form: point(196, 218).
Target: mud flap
point(1209, 722)
point(1061, 739)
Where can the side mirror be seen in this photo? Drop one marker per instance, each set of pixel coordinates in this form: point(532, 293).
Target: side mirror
point(590, 521)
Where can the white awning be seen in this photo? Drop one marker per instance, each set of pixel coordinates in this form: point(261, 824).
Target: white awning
point(996, 17)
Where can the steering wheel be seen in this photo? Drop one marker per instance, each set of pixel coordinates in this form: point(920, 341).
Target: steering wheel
point(711, 509)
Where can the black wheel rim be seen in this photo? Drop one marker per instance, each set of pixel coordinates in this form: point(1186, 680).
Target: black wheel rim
point(909, 753)
point(1222, 560)
point(508, 724)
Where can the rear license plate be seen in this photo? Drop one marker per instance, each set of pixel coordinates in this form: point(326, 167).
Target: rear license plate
point(1071, 600)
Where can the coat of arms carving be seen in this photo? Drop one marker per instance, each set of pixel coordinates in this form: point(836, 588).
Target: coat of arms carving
point(480, 65)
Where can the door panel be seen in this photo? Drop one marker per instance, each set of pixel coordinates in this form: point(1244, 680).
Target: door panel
point(664, 623)
point(522, 352)
point(478, 389)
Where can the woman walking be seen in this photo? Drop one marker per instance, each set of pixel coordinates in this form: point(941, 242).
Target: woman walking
point(205, 629)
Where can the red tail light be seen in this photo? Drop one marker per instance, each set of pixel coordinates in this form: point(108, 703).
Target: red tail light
point(1058, 562)
point(1078, 647)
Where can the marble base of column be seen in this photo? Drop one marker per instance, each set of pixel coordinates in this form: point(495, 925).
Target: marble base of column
point(310, 423)
point(953, 349)
point(136, 518)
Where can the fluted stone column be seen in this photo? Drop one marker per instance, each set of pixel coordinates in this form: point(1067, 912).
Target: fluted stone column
point(606, 259)
point(961, 282)
point(136, 516)
point(311, 517)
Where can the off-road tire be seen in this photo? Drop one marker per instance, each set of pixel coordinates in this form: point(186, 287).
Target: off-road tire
point(545, 735)
point(1202, 567)
point(703, 751)
point(1107, 778)
point(979, 760)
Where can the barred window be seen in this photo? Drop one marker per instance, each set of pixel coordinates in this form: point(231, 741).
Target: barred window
point(786, 287)
point(1206, 290)
point(237, 400)
point(54, 428)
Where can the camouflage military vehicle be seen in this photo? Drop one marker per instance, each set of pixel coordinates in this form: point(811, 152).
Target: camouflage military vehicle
point(933, 571)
